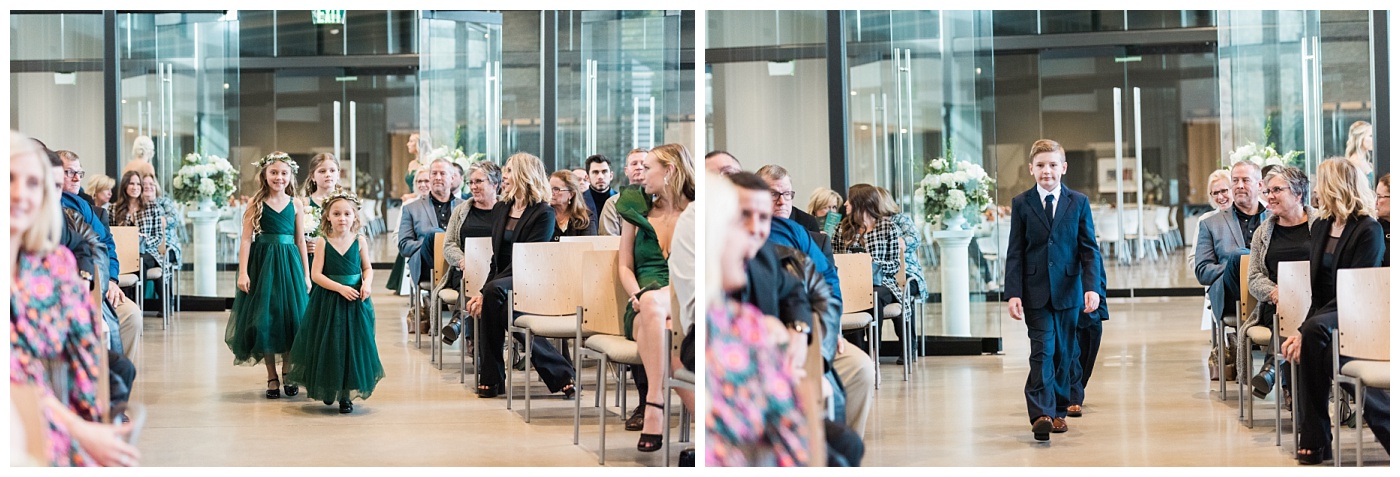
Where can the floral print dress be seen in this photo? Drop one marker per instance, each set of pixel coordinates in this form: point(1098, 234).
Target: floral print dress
point(51, 325)
point(755, 416)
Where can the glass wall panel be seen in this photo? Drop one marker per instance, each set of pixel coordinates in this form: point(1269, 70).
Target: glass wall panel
point(56, 78)
point(521, 112)
point(1269, 78)
point(460, 86)
point(766, 28)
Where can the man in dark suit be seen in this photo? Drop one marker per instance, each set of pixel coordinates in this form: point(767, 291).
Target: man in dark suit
point(1051, 270)
point(1087, 336)
point(599, 185)
point(777, 178)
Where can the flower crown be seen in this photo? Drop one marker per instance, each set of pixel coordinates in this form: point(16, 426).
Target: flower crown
point(277, 157)
point(341, 193)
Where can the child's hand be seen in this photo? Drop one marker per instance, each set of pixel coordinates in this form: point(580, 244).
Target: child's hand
point(364, 290)
point(1091, 301)
point(349, 293)
point(310, 246)
point(308, 285)
point(243, 282)
point(1017, 311)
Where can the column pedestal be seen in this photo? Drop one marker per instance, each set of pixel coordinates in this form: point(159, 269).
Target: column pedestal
point(205, 245)
point(952, 245)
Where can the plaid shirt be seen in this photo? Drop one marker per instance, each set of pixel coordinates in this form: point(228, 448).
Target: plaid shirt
point(913, 268)
point(174, 229)
point(152, 234)
point(881, 243)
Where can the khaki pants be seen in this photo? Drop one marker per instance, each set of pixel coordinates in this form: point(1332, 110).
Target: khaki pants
point(131, 326)
point(857, 373)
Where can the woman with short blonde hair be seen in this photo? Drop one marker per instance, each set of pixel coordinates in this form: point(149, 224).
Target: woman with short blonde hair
point(1340, 193)
point(823, 200)
point(100, 187)
point(525, 179)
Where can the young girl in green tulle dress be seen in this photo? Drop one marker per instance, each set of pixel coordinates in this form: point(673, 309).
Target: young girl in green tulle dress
point(267, 310)
point(334, 355)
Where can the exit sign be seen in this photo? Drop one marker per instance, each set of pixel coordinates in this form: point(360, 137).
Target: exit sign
point(320, 17)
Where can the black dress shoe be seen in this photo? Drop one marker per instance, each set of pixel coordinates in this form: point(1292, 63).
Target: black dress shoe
point(1263, 383)
point(346, 407)
point(687, 458)
point(451, 331)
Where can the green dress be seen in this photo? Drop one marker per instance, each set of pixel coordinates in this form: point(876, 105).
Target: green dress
point(265, 319)
point(334, 356)
point(647, 260)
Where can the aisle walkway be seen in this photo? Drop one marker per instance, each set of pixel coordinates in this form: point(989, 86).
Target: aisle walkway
point(1148, 404)
point(203, 411)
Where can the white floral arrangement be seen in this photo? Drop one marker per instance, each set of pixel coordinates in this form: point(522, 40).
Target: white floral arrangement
point(203, 178)
point(311, 221)
point(456, 156)
point(953, 187)
point(1263, 155)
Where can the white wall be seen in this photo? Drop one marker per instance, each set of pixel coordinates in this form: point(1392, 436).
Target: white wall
point(782, 120)
point(62, 116)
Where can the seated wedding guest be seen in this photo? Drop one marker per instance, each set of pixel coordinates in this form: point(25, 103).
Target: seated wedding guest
point(609, 223)
point(132, 209)
point(421, 189)
point(822, 202)
point(865, 229)
point(1221, 240)
point(649, 217)
point(73, 175)
point(1283, 237)
point(1218, 190)
point(1345, 236)
point(174, 224)
point(142, 151)
point(599, 188)
point(580, 177)
point(470, 219)
point(913, 267)
point(777, 178)
point(1383, 213)
point(522, 215)
point(571, 217)
point(51, 321)
point(755, 418)
point(681, 267)
point(722, 163)
point(423, 218)
point(100, 186)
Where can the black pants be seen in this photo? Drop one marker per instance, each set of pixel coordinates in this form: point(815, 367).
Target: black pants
point(123, 376)
point(553, 368)
point(1052, 354)
point(1315, 385)
point(1087, 337)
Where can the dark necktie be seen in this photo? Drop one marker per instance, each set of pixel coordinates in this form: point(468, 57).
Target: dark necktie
point(1050, 208)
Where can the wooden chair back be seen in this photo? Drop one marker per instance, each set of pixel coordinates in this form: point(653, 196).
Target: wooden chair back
point(478, 253)
point(1294, 296)
point(26, 398)
point(1247, 300)
point(603, 302)
point(600, 242)
point(439, 260)
point(128, 242)
point(857, 282)
point(810, 392)
point(1363, 313)
point(548, 277)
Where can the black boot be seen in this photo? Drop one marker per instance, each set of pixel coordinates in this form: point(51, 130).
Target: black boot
point(1263, 383)
point(452, 331)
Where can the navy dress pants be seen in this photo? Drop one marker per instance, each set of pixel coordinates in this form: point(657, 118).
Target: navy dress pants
point(1053, 351)
point(1087, 336)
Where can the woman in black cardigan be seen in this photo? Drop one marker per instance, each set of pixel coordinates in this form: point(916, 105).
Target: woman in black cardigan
point(1347, 236)
point(522, 216)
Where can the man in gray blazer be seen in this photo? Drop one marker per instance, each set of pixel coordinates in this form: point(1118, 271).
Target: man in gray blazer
point(1225, 236)
point(427, 216)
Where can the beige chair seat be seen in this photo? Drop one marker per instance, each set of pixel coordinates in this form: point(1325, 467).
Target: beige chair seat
point(549, 326)
point(686, 375)
point(1260, 335)
point(1232, 321)
point(617, 348)
point(153, 273)
point(893, 310)
point(854, 321)
point(1373, 374)
point(127, 280)
point(448, 296)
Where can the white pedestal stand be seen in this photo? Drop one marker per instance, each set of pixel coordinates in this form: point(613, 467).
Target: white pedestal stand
point(952, 245)
point(205, 244)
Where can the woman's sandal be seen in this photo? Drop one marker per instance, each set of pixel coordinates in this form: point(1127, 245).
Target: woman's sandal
point(650, 442)
point(568, 391)
point(287, 388)
point(487, 391)
point(1313, 456)
point(274, 392)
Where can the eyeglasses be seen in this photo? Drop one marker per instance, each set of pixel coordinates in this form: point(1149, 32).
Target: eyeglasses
point(558, 190)
point(477, 181)
point(1386, 197)
point(1274, 190)
point(73, 173)
point(1220, 192)
point(784, 195)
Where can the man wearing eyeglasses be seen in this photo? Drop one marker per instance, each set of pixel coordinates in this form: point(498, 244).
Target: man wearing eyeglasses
point(1224, 237)
point(781, 184)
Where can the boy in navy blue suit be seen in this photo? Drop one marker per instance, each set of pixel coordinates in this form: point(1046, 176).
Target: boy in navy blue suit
point(1051, 271)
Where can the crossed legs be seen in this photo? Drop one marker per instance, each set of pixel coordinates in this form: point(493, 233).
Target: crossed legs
point(649, 328)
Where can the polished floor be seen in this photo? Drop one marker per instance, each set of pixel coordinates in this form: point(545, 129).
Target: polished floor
point(1148, 404)
point(204, 411)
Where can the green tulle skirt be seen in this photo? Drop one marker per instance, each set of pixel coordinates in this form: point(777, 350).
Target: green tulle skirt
point(396, 274)
point(334, 356)
point(265, 319)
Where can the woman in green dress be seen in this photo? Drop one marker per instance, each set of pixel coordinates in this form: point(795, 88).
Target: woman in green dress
point(334, 355)
point(649, 218)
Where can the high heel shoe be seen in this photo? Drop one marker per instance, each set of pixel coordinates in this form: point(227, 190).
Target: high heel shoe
point(488, 391)
point(274, 392)
point(650, 442)
point(288, 388)
point(1314, 456)
point(568, 391)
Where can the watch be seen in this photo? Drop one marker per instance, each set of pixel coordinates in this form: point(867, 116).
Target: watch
point(800, 327)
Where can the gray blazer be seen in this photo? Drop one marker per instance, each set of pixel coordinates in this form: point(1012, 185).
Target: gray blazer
point(1219, 239)
point(416, 229)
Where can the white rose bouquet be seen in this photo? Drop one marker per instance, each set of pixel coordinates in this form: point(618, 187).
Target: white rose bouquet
point(204, 177)
point(952, 187)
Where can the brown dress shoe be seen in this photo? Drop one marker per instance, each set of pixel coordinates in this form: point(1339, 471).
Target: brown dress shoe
point(1075, 410)
point(1042, 427)
point(1059, 426)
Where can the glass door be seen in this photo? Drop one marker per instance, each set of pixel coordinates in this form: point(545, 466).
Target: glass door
point(460, 89)
point(1270, 82)
point(180, 83)
point(625, 91)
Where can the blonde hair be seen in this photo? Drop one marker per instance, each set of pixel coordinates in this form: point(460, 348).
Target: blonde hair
point(578, 212)
point(528, 184)
point(823, 198)
point(310, 185)
point(143, 148)
point(254, 211)
point(722, 205)
point(1046, 145)
point(46, 231)
point(1218, 175)
point(680, 181)
point(325, 225)
point(98, 183)
point(1354, 134)
point(888, 207)
point(1338, 192)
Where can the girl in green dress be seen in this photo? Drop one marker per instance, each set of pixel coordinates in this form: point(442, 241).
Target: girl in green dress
point(267, 313)
point(320, 183)
point(334, 355)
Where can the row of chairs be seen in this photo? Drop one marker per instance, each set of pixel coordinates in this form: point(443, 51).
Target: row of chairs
point(1363, 333)
point(549, 293)
point(1158, 232)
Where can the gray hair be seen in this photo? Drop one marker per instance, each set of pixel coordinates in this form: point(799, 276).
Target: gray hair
point(1297, 180)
